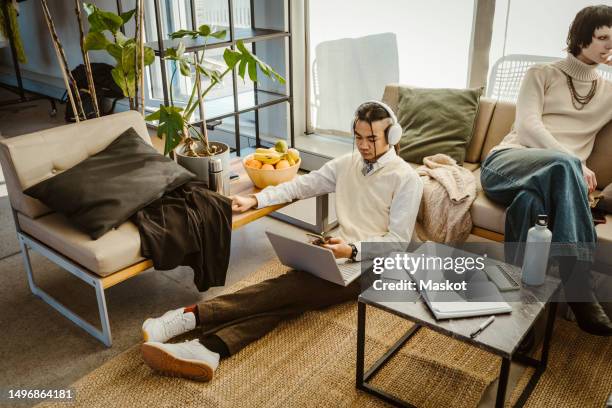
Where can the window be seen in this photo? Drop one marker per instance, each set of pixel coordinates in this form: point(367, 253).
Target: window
point(527, 32)
point(177, 15)
point(358, 47)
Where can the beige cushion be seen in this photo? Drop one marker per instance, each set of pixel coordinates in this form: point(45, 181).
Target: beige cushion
point(486, 213)
point(29, 159)
point(485, 112)
point(469, 166)
point(599, 161)
point(391, 95)
point(500, 126)
point(110, 253)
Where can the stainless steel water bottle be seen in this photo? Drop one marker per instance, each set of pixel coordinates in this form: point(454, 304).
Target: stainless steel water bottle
point(536, 253)
point(215, 175)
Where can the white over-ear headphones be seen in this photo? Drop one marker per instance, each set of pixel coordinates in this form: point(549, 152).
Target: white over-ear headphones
point(394, 134)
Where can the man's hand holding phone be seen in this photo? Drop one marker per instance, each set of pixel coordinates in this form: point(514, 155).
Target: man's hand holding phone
point(337, 245)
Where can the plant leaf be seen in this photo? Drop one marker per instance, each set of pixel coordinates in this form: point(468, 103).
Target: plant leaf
point(204, 30)
point(170, 54)
point(184, 68)
point(242, 68)
point(121, 38)
point(113, 21)
point(118, 77)
point(171, 127)
point(268, 71)
point(153, 116)
point(180, 50)
point(127, 15)
point(89, 8)
point(241, 47)
point(231, 57)
point(149, 55)
point(130, 78)
point(253, 70)
point(115, 51)
point(95, 41)
point(128, 56)
point(219, 34)
point(183, 33)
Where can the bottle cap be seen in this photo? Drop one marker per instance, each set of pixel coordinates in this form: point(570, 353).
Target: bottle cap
point(215, 164)
point(542, 220)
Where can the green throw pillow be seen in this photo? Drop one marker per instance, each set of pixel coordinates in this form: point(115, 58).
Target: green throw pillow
point(436, 121)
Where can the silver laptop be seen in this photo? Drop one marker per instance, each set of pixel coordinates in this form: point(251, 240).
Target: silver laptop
point(316, 260)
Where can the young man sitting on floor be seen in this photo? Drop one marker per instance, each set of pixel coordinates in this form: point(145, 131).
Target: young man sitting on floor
point(377, 200)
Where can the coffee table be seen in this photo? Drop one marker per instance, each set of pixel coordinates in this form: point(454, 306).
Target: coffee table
point(501, 338)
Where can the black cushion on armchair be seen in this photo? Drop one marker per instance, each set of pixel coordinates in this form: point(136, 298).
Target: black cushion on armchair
point(104, 190)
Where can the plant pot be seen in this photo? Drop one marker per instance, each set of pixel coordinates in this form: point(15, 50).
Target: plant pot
point(199, 165)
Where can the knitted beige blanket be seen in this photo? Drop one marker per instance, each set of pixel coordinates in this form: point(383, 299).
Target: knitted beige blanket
point(448, 193)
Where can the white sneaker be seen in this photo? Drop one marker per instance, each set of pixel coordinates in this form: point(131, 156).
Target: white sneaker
point(169, 325)
point(189, 359)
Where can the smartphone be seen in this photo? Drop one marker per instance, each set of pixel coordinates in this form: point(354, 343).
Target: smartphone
point(319, 239)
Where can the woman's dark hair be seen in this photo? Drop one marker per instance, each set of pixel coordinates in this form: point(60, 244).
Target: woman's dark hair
point(584, 25)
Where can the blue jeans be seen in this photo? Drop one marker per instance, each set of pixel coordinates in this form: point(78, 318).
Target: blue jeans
point(533, 181)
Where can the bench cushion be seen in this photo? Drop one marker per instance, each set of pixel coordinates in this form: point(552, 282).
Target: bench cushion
point(28, 159)
point(104, 190)
point(486, 213)
point(115, 250)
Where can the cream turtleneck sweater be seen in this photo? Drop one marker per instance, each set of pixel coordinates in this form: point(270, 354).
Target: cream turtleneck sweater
point(545, 115)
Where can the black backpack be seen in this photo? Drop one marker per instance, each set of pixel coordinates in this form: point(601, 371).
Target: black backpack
point(105, 88)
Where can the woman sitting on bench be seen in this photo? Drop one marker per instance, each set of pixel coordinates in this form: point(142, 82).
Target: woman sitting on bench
point(539, 168)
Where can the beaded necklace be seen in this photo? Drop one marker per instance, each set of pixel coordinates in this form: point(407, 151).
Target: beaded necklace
point(580, 101)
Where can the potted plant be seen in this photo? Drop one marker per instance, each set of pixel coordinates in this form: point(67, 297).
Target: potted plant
point(190, 143)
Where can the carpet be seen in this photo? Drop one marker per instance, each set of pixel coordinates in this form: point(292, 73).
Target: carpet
point(310, 361)
point(579, 372)
point(8, 237)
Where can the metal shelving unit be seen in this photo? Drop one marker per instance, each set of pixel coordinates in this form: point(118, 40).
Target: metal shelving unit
point(240, 103)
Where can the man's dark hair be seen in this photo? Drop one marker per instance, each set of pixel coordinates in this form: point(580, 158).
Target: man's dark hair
point(584, 25)
point(371, 112)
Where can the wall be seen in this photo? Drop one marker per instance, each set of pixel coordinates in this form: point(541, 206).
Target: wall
point(42, 72)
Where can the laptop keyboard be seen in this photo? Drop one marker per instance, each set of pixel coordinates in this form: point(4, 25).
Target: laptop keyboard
point(350, 269)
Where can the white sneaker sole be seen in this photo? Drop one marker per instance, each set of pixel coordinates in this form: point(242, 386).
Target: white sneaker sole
point(162, 361)
point(145, 334)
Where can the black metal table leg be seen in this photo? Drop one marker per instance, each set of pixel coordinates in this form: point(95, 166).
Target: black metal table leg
point(540, 365)
point(504, 373)
point(361, 316)
point(361, 378)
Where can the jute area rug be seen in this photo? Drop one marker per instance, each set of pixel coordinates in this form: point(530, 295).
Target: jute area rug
point(310, 361)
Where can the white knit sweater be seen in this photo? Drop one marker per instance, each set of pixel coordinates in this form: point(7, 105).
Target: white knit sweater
point(545, 116)
point(381, 206)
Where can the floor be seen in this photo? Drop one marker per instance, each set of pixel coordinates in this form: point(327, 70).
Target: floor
point(42, 349)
